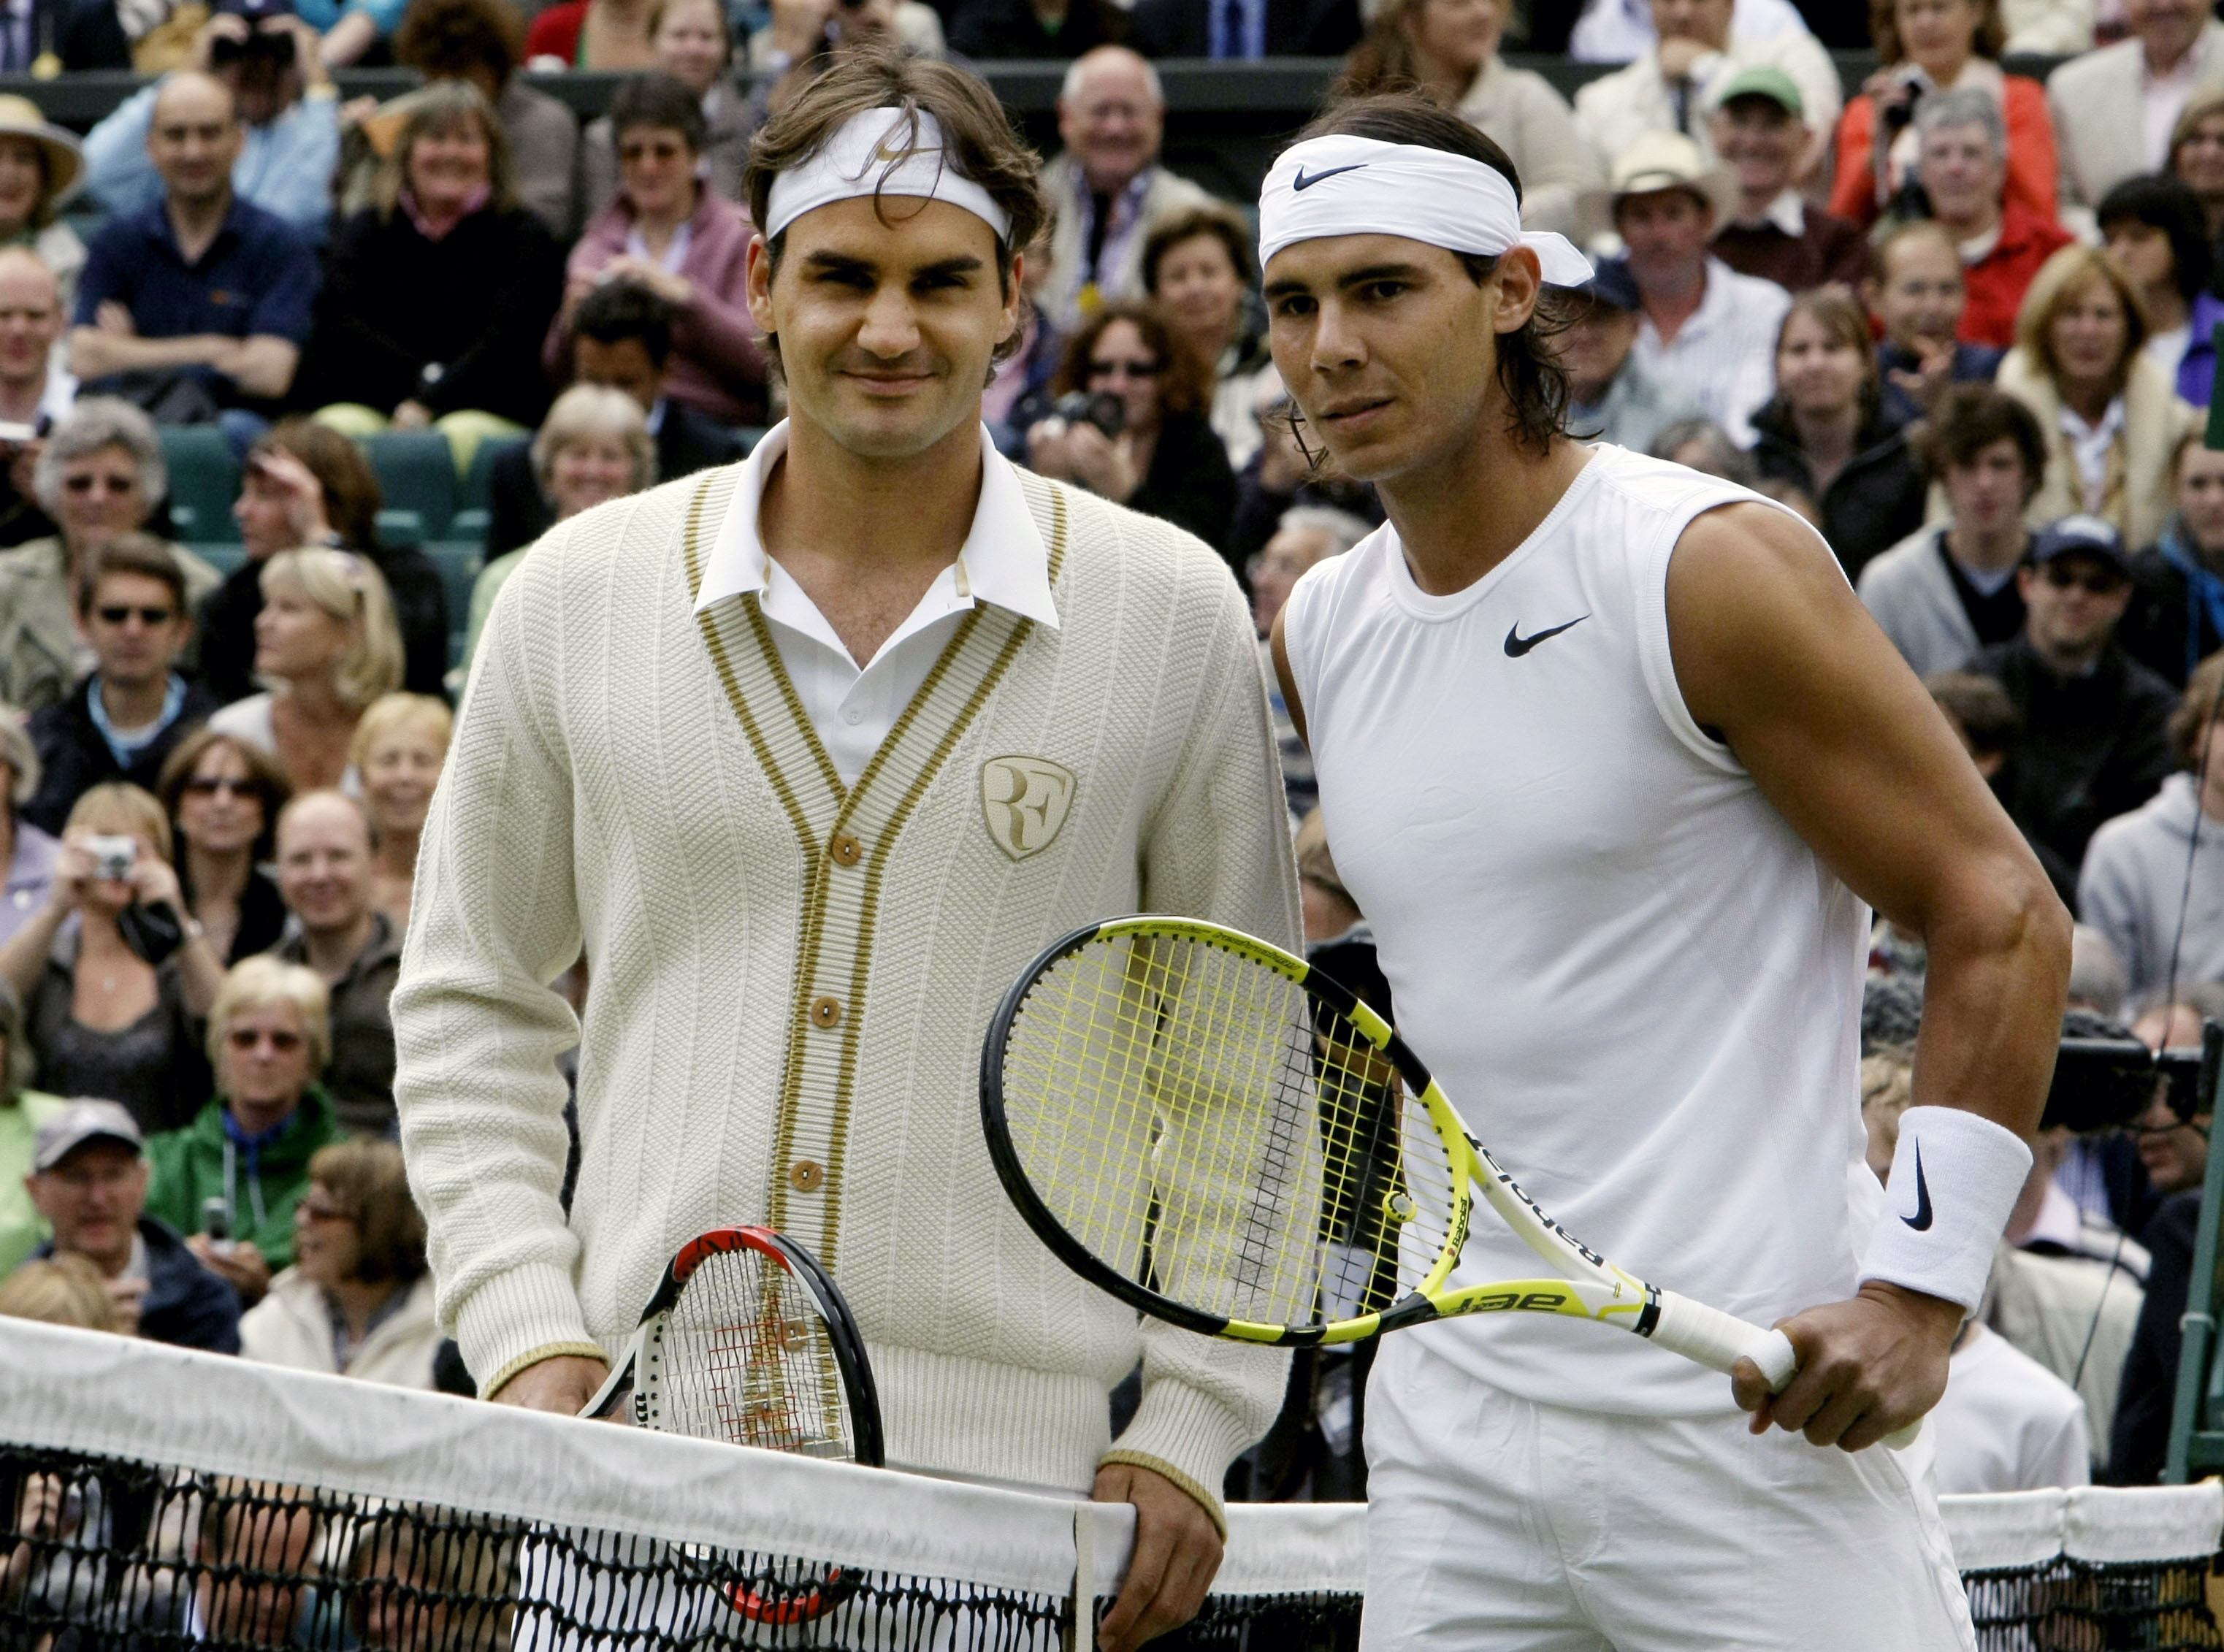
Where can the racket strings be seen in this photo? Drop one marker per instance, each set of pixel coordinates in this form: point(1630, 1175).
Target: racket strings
point(747, 1359)
point(1199, 1124)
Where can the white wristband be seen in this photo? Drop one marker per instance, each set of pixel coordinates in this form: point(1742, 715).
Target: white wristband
point(1955, 1179)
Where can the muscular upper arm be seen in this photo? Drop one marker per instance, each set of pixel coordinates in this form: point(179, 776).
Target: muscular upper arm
point(1774, 650)
point(1281, 649)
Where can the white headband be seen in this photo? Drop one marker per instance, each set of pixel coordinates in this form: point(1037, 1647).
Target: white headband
point(1356, 185)
point(878, 153)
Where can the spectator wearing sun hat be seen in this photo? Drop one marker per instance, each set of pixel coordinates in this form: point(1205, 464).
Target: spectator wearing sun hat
point(41, 168)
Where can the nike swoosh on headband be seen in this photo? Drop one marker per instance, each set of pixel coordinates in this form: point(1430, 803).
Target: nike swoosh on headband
point(1305, 181)
point(1517, 644)
point(1921, 1219)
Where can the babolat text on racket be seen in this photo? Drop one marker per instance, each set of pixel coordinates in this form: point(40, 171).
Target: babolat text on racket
point(1212, 1131)
point(747, 1340)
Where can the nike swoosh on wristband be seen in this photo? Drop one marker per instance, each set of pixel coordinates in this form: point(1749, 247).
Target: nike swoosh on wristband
point(1517, 644)
point(1305, 182)
point(1921, 1221)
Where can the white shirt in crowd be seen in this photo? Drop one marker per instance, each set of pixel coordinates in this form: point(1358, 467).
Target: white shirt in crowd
point(1723, 358)
point(1617, 31)
point(852, 708)
point(2089, 445)
point(2006, 1422)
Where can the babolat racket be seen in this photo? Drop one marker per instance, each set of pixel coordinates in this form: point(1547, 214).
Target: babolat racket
point(1210, 1130)
point(747, 1340)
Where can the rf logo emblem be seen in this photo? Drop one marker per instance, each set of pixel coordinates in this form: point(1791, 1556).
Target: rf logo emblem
point(1025, 800)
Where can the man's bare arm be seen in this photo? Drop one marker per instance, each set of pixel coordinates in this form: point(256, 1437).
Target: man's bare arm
point(262, 365)
point(1775, 652)
point(95, 352)
point(1283, 674)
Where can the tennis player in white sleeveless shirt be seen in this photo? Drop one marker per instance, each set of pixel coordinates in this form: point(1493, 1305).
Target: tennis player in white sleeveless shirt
point(1633, 965)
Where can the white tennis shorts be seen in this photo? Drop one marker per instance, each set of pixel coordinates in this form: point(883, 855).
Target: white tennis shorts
point(1495, 1523)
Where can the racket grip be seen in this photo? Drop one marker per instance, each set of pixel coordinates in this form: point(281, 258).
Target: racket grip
point(1718, 1340)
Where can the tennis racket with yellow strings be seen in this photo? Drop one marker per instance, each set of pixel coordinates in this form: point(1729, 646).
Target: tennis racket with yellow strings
point(1214, 1132)
point(747, 1340)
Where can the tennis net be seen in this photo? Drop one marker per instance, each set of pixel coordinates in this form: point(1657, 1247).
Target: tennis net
point(153, 1498)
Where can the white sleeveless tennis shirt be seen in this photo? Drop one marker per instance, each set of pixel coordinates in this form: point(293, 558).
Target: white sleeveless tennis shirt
point(1637, 983)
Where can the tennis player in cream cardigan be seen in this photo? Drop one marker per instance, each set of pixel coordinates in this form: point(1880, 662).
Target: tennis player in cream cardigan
point(811, 755)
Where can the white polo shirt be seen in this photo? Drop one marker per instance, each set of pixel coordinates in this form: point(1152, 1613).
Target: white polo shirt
point(1003, 563)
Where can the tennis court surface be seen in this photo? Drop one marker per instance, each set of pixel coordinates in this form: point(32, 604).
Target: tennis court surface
point(152, 1499)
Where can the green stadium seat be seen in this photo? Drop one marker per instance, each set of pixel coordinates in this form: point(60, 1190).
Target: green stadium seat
point(204, 483)
point(226, 559)
point(459, 562)
point(478, 485)
point(400, 529)
point(470, 523)
point(416, 472)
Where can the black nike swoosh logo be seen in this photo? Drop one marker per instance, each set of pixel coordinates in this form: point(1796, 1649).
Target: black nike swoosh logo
point(1304, 182)
point(1921, 1221)
point(1517, 644)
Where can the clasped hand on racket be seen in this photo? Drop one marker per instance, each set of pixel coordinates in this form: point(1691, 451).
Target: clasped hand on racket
point(1867, 1367)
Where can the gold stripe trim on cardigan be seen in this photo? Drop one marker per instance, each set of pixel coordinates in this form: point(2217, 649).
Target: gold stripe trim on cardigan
point(814, 1100)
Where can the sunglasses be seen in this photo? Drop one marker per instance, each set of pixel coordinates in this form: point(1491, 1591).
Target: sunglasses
point(244, 1038)
point(114, 486)
point(201, 786)
point(121, 612)
point(1125, 370)
point(2097, 583)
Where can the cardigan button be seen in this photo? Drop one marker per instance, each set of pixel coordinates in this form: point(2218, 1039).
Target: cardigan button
point(806, 1176)
point(846, 850)
point(825, 1012)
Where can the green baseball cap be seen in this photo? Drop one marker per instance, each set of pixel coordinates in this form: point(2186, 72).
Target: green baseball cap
point(1762, 81)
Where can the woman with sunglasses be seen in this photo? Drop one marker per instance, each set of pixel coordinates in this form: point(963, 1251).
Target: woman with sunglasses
point(1145, 441)
point(99, 475)
point(245, 1159)
point(223, 797)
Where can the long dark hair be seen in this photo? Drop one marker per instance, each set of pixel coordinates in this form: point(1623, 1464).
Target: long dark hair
point(1529, 369)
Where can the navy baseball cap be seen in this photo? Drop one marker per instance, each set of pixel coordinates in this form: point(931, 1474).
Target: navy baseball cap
point(2081, 534)
point(1612, 283)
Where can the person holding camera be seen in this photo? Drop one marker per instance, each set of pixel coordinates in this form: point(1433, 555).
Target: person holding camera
point(269, 61)
point(113, 977)
point(1130, 423)
point(1932, 46)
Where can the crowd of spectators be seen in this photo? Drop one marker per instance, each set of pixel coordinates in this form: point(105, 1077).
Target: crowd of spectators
point(1959, 318)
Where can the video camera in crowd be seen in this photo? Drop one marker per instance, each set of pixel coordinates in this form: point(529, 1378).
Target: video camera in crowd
point(2107, 1083)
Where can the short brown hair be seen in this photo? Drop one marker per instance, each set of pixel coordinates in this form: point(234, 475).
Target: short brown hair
point(1970, 418)
point(1221, 222)
point(1978, 707)
point(2051, 291)
point(141, 555)
point(1989, 39)
point(271, 786)
point(349, 485)
point(1185, 382)
point(977, 138)
point(1893, 232)
point(1529, 369)
point(1843, 322)
point(446, 40)
point(366, 1177)
point(2196, 708)
point(439, 109)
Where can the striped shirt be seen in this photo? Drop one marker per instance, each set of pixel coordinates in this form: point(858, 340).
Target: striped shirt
point(1724, 357)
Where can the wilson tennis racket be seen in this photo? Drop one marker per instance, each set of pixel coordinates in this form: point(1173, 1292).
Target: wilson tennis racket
point(1204, 1126)
point(747, 1340)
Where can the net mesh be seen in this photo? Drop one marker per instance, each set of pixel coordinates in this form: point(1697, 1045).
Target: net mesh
point(152, 1499)
point(1201, 1127)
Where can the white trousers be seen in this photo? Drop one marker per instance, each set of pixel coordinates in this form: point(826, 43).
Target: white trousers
point(1495, 1524)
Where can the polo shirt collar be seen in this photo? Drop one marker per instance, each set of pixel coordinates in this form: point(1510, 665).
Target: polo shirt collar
point(1003, 561)
point(167, 232)
point(1788, 213)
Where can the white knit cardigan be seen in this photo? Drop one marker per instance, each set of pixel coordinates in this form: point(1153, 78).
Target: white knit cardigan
point(791, 981)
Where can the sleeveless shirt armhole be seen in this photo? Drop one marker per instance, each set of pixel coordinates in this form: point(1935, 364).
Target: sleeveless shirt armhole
point(1654, 653)
point(1296, 615)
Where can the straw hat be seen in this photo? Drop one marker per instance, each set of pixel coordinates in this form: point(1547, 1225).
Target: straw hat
point(20, 118)
point(1661, 160)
